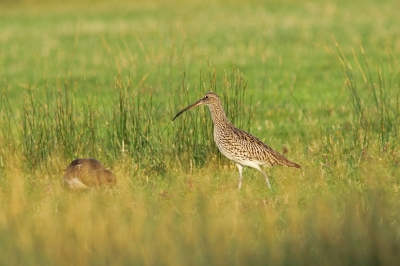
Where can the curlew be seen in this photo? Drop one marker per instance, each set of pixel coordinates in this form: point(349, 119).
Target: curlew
point(237, 145)
point(85, 173)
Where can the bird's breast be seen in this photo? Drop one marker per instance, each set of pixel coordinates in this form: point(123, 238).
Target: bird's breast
point(74, 183)
point(239, 148)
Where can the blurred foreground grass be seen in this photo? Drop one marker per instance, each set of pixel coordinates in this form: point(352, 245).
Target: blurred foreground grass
point(200, 218)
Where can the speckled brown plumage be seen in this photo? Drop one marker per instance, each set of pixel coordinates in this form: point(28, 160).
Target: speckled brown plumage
point(84, 173)
point(237, 145)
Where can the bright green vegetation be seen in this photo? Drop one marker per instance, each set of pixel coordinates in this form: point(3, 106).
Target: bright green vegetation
point(318, 80)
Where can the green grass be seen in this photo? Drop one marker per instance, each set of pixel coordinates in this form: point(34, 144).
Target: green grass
point(318, 80)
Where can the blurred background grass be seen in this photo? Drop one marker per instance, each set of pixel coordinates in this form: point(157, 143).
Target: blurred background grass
point(316, 80)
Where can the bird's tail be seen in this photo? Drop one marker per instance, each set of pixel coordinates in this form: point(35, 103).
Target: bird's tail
point(292, 164)
point(282, 160)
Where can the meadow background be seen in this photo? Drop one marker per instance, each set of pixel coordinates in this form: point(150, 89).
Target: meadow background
point(315, 80)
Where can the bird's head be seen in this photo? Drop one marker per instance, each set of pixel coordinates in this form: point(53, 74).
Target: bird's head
point(210, 98)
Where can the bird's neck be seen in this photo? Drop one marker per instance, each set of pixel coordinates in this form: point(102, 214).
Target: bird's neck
point(218, 115)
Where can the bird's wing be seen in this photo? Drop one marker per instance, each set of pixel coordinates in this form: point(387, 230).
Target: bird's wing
point(255, 150)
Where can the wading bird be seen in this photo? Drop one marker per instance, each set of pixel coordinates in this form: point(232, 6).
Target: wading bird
point(237, 145)
point(85, 173)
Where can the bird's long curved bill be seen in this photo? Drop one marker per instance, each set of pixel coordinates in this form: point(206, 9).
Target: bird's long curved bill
point(187, 108)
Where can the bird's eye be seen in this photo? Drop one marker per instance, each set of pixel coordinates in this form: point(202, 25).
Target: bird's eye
point(206, 97)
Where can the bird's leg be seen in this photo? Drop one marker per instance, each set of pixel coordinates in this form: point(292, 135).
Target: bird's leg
point(240, 167)
point(265, 175)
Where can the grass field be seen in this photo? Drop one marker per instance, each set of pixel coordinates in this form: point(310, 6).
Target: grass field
point(316, 80)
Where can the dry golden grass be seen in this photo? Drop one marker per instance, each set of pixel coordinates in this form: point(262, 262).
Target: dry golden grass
point(200, 218)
